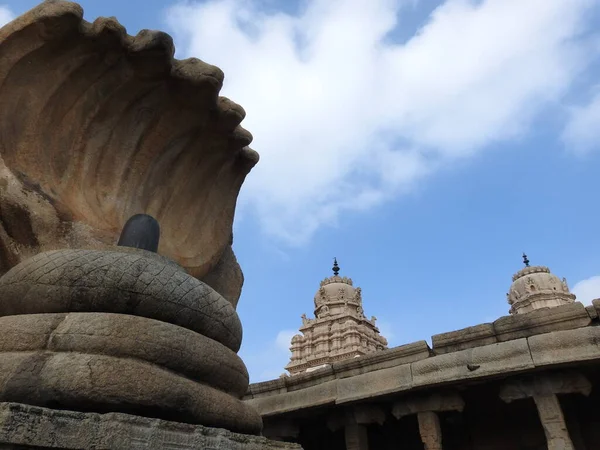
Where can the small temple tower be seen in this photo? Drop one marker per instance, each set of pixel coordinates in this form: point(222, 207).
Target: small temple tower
point(534, 287)
point(339, 330)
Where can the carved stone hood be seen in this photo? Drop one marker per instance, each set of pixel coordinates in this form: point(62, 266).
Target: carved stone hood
point(98, 126)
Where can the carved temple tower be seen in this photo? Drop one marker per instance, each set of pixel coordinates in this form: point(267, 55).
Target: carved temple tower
point(535, 287)
point(339, 330)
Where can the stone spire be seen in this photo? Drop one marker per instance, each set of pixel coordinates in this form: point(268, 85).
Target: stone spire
point(536, 287)
point(339, 330)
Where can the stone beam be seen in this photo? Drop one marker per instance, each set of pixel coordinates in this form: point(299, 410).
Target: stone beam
point(439, 401)
point(544, 390)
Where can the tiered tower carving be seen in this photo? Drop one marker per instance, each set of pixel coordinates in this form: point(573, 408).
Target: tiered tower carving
point(340, 329)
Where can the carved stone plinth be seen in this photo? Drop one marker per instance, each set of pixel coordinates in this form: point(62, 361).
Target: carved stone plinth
point(23, 426)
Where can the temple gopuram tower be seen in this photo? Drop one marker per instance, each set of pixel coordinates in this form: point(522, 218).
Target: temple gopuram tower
point(339, 330)
point(535, 287)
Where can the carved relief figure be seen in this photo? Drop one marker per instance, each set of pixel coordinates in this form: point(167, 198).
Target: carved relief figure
point(322, 296)
point(530, 286)
point(358, 295)
point(514, 294)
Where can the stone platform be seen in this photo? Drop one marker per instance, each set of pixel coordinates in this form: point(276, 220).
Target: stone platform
point(31, 427)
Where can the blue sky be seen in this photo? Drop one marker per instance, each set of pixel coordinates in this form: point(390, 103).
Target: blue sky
point(425, 144)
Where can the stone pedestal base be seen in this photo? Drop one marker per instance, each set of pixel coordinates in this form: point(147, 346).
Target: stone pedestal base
point(31, 427)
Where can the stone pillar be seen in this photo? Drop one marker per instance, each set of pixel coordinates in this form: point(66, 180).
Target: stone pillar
point(543, 390)
point(426, 408)
point(431, 432)
point(356, 437)
point(553, 421)
point(354, 420)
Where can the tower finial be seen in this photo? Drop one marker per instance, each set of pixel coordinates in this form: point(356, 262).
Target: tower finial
point(525, 260)
point(336, 268)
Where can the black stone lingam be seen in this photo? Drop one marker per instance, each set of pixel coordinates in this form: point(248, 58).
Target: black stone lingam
point(141, 231)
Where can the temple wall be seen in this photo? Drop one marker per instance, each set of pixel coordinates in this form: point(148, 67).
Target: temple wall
point(524, 382)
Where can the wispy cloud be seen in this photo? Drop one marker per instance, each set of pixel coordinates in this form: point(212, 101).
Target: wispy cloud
point(6, 15)
point(346, 119)
point(269, 361)
point(582, 133)
point(587, 290)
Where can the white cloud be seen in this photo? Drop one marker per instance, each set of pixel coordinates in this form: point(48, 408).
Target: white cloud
point(587, 290)
point(6, 15)
point(344, 118)
point(268, 362)
point(582, 133)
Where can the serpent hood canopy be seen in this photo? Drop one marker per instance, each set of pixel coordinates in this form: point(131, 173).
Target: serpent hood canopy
point(97, 125)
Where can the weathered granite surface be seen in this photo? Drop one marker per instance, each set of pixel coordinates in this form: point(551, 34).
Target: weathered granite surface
point(30, 427)
point(97, 125)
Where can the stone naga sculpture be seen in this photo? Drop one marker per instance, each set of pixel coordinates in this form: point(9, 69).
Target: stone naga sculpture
point(122, 330)
point(97, 126)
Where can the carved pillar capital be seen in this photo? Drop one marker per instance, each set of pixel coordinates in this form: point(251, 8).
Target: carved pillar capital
point(570, 382)
point(543, 389)
point(438, 401)
point(359, 414)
